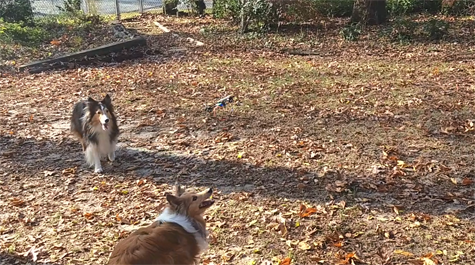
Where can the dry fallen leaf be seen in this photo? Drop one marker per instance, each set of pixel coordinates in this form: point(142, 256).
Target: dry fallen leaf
point(340, 183)
point(304, 245)
point(305, 212)
point(89, 216)
point(17, 202)
point(338, 244)
point(467, 181)
point(396, 210)
point(140, 182)
point(69, 171)
point(428, 261)
point(350, 258)
point(55, 42)
point(402, 252)
point(228, 256)
point(285, 261)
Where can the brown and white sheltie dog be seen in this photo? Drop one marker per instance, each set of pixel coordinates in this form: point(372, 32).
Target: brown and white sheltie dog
point(177, 236)
point(94, 124)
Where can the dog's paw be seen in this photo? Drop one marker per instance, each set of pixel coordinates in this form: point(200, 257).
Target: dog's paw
point(111, 157)
point(98, 170)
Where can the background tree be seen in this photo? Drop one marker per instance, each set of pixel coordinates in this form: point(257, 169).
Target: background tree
point(369, 12)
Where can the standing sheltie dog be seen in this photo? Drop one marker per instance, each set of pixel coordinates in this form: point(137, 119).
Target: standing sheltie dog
point(94, 124)
point(177, 236)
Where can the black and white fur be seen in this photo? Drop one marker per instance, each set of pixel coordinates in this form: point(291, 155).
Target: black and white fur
point(95, 125)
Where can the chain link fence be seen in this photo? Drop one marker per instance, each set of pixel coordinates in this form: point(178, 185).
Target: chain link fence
point(104, 7)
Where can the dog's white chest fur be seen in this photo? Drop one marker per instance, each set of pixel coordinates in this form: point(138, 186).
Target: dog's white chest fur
point(184, 222)
point(103, 147)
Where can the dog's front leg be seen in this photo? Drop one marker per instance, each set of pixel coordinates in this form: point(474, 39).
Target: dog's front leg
point(97, 164)
point(93, 157)
point(111, 154)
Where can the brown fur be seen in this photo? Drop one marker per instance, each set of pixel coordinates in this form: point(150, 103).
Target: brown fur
point(167, 242)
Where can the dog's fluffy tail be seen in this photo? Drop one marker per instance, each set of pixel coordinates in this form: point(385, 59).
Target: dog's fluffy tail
point(76, 125)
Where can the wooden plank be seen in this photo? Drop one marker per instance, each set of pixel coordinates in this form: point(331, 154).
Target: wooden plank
point(102, 50)
point(166, 30)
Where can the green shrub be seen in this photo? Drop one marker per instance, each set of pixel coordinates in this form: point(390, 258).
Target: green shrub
point(259, 15)
point(401, 30)
point(70, 6)
point(21, 33)
point(458, 7)
point(297, 10)
point(227, 9)
point(63, 23)
point(334, 8)
point(428, 6)
point(435, 29)
point(46, 28)
point(351, 32)
point(291, 11)
point(307, 10)
point(406, 30)
point(16, 11)
point(400, 7)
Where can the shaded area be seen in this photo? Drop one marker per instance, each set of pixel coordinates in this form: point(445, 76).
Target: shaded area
point(9, 259)
point(385, 183)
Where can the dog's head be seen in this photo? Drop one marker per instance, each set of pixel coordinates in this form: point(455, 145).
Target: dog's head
point(189, 203)
point(100, 112)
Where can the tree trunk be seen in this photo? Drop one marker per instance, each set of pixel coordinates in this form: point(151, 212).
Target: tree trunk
point(369, 12)
point(244, 25)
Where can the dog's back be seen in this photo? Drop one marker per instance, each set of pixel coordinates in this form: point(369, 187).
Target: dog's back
point(159, 243)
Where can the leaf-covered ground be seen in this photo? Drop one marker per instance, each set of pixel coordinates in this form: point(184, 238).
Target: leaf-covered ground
point(359, 153)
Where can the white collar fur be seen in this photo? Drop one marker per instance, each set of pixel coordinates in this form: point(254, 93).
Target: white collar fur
point(191, 227)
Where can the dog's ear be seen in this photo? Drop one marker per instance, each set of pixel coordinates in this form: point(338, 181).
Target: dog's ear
point(107, 100)
point(173, 200)
point(89, 100)
point(179, 190)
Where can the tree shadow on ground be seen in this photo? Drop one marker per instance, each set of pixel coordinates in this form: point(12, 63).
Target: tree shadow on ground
point(10, 259)
point(139, 157)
